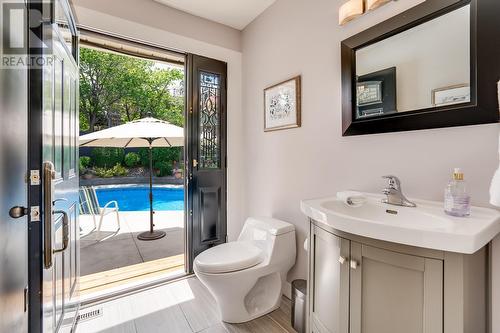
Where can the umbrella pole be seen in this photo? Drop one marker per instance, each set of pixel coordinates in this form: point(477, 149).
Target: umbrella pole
point(151, 234)
point(151, 225)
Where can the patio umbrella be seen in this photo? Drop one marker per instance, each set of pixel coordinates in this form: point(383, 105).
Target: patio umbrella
point(146, 132)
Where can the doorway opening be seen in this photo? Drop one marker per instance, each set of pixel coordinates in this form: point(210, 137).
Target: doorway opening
point(123, 84)
point(67, 219)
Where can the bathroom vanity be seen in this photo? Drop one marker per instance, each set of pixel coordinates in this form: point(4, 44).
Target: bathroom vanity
point(382, 268)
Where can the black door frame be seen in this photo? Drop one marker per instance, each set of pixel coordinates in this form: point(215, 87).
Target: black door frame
point(35, 148)
point(196, 63)
point(35, 152)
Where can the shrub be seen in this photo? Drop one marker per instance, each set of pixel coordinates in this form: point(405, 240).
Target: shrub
point(107, 157)
point(119, 170)
point(132, 160)
point(167, 154)
point(164, 168)
point(103, 172)
point(84, 163)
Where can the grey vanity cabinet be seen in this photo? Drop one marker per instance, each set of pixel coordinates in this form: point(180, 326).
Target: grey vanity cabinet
point(361, 285)
point(391, 292)
point(329, 306)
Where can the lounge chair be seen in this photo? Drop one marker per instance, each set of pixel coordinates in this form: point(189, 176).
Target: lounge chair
point(89, 204)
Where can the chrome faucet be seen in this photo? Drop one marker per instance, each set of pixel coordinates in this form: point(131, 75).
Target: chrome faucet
point(394, 194)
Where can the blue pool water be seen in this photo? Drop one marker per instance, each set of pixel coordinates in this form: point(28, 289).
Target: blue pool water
point(137, 198)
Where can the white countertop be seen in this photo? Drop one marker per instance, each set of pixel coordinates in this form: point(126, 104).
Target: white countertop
point(424, 226)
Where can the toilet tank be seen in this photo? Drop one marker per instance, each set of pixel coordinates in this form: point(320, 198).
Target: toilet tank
point(255, 228)
point(264, 231)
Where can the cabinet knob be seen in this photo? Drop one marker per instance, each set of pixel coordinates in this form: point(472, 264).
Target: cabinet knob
point(354, 264)
point(342, 260)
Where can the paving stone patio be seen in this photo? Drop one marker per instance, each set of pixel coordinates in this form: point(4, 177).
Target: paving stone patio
point(114, 249)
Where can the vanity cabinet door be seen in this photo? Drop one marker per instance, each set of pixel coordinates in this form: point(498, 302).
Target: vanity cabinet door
point(329, 287)
point(393, 292)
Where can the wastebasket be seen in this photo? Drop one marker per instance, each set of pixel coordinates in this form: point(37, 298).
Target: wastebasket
point(299, 293)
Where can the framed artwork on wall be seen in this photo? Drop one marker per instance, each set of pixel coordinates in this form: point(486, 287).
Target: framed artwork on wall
point(282, 105)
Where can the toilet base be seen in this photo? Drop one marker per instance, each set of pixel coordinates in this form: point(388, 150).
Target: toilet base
point(253, 317)
point(244, 298)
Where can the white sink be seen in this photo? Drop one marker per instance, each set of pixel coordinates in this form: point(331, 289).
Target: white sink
point(425, 225)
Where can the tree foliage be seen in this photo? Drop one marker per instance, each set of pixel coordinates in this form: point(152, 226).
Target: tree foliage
point(113, 85)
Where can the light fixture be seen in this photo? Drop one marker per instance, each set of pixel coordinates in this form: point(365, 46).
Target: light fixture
point(374, 4)
point(350, 10)
point(354, 8)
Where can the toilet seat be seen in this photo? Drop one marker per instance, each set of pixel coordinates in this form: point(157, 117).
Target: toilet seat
point(228, 257)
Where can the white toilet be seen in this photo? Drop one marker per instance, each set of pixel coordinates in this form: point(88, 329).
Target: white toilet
point(245, 277)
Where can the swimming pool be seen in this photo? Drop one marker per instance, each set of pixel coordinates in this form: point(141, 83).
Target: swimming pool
point(136, 198)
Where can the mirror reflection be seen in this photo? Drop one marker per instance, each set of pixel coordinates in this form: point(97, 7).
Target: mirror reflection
point(426, 66)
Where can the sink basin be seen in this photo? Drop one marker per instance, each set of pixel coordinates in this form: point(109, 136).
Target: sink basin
point(424, 226)
point(374, 211)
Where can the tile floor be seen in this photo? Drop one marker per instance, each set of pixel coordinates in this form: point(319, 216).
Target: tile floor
point(115, 249)
point(183, 306)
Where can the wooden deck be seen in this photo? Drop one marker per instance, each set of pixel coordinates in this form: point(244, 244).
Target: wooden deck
point(97, 282)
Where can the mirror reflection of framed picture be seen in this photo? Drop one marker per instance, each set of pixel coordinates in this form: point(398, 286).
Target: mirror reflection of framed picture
point(455, 94)
point(376, 93)
point(282, 105)
point(369, 92)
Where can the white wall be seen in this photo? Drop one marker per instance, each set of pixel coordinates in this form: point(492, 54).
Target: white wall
point(295, 37)
point(107, 21)
point(429, 56)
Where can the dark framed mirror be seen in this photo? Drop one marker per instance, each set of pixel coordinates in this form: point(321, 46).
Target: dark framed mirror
point(434, 65)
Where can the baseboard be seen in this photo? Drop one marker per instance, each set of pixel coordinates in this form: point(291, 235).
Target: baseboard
point(286, 289)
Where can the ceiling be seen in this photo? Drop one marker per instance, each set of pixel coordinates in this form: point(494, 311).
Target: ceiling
point(234, 13)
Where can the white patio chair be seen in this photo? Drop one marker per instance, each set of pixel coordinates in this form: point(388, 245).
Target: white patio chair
point(89, 204)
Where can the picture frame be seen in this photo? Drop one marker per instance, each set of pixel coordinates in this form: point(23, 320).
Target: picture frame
point(282, 105)
point(376, 93)
point(369, 92)
point(450, 95)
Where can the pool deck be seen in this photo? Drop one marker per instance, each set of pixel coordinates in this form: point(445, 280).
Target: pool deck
point(116, 257)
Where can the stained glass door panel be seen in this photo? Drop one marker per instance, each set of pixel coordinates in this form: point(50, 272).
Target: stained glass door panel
point(209, 121)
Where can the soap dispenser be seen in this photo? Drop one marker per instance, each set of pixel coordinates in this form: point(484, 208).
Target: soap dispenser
point(456, 196)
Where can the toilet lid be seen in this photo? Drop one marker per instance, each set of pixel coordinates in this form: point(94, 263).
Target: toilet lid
point(228, 257)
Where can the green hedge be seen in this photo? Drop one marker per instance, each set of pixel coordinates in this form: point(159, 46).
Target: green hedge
point(117, 170)
point(164, 168)
point(107, 157)
point(132, 160)
point(104, 172)
point(84, 162)
point(168, 154)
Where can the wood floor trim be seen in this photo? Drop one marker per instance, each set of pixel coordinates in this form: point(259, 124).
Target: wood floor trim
point(96, 282)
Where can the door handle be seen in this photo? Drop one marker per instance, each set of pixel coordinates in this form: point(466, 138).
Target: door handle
point(354, 264)
point(48, 191)
point(18, 211)
point(65, 230)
